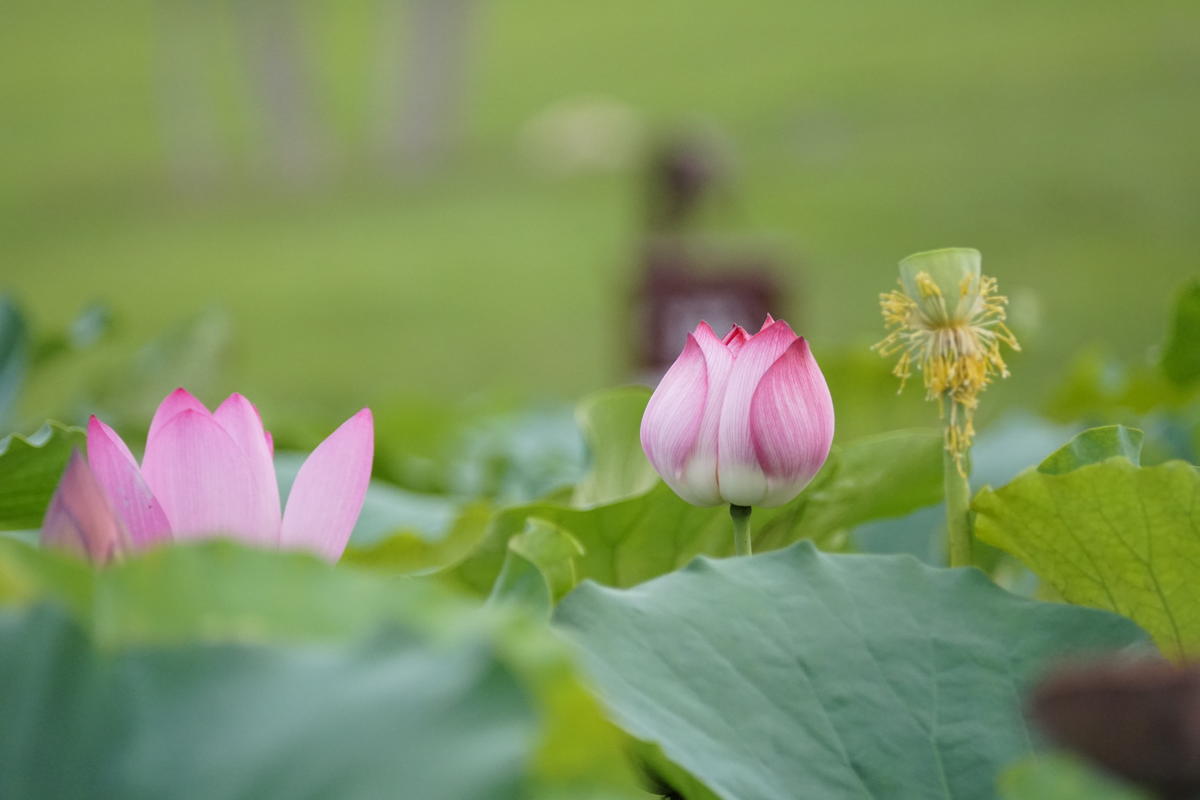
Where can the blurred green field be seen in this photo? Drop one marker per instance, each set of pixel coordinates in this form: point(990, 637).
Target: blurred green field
point(1059, 138)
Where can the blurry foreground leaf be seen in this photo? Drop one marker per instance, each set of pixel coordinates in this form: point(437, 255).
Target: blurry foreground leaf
point(1181, 355)
point(1060, 777)
point(1108, 534)
point(386, 716)
point(30, 467)
point(193, 601)
point(802, 674)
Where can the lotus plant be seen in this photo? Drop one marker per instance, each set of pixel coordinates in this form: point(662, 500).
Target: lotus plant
point(204, 474)
point(745, 420)
point(948, 321)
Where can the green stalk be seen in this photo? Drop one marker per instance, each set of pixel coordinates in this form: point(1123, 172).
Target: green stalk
point(741, 529)
point(958, 510)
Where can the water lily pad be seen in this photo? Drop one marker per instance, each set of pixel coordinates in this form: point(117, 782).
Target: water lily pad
point(802, 674)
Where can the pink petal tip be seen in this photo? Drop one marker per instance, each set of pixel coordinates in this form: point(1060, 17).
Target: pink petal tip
point(129, 496)
point(328, 493)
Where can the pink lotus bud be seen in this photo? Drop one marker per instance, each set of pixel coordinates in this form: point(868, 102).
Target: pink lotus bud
point(80, 520)
point(747, 420)
point(211, 473)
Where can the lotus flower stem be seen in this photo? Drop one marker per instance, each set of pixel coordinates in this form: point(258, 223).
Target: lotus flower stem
point(958, 509)
point(947, 322)
point(741, 529)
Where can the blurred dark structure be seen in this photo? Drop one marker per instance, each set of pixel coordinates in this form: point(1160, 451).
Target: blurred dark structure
point(1137, 719)
point(424, 51)
point(424, 81)
point(277, 64)
point(189, 117)
point(687, 276)
point(279, 67)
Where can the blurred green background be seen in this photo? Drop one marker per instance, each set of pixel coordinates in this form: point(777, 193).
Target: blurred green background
point(143, 168)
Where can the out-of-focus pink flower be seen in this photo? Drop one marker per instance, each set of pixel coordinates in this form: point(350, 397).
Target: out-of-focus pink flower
point(209, 473)
point(745, 420)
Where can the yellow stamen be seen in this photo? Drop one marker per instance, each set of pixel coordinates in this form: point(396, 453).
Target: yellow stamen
point(958, 354)
point(926, 286)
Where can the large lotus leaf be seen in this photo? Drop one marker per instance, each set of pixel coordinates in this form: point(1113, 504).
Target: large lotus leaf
point(802, 674)
point(1108, 534)
point(633, 540)
point(29, 470)
point(218, 592)
point(385, 717)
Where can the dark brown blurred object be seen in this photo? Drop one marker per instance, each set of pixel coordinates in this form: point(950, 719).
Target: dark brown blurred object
point(682, 173)
point(687, 276)
point(1138, 719)
point(675, 296)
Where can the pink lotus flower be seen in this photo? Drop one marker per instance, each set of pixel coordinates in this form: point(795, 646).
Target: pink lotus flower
point(209, 473)
point(747, 420)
